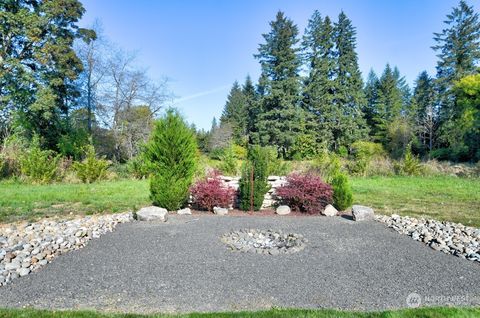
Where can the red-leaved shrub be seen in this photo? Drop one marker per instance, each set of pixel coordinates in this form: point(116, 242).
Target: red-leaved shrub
point(211, 192)
point(305, 193)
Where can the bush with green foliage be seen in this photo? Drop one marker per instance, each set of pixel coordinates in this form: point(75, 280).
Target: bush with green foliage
point(342, 191)
point(228, 162)
point(327, 165)
point(239, 151)
point(304, 148)
point(39, 166)
point(410, 165)
point(257, 159)
point(172, 153)
point(139, 167)
point(90, 169)
point(362, 154)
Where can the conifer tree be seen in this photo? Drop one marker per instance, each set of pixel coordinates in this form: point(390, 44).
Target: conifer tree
point(425, 112)
point(280, 85)
point(252, 111)
point(458, 51)
point(319, 87)
point(371, 96)
point(349, 95)
point(235, 112)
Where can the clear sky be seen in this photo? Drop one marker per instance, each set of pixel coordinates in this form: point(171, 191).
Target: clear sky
point(204, 46)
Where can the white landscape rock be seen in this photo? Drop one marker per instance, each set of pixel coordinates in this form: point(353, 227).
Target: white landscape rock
point(25, 246)
point(185, 211)
point(152, 213)
point(448, 237)
point(283, 210)
point(220, 211)
point(362, 213)
point(330, 210)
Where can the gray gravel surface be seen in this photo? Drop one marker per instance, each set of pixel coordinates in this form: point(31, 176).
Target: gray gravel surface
point(182, 266)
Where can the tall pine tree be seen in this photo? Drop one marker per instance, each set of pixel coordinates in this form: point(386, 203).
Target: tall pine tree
point(458, 51)
point(319, 86)
point(252, 111)
point(235, 113)
point(349, 96)
point(424, 110)
point(371, 96)
point(278, 56)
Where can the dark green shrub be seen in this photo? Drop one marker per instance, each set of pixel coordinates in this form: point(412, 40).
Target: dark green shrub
point(91, 169)
point(342, 191)
point(39, 166)
point(172, 153)
point(257, 159)
point(304, 148)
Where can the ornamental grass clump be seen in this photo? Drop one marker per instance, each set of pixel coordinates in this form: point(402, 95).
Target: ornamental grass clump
point(305, 193)
point(211, 192)
point(172, 155)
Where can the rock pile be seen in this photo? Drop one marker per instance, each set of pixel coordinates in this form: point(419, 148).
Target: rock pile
point(26, 247)
point(264, 241)
point(448, 237)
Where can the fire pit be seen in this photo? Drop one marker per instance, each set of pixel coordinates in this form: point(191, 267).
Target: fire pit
point(264, 241)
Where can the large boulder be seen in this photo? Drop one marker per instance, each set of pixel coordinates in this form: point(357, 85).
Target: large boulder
point(330, 210)
point(362, 213)
point(220, 211)
point(152, 213)
point(283, 210)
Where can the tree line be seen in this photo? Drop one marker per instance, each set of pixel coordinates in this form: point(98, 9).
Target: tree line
point(69, 86)
point(311, 95)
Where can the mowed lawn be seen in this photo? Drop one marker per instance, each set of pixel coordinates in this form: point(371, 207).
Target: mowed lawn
point(274, 313)
point(442, 198)
point(28, 202)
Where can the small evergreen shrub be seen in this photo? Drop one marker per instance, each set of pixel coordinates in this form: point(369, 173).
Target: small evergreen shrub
point(342, 192)
point(410, 165)
point(91, 169)
point(211, 192)
point(305, 193)
point(258, 162)
point(172, 154)
point(139, 167)
point(228, 163)
point(39, 166)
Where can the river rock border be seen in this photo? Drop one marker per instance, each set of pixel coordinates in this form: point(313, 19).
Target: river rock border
point(26, 247)
point(448, 237)
point(264, 241)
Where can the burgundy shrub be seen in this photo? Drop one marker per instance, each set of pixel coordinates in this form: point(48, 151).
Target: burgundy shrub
point(305, 192)
point(211, 192)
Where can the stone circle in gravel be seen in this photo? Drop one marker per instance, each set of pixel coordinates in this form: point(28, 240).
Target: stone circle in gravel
point(264, 241)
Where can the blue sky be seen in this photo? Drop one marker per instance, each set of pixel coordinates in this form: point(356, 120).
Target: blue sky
point(204, 46)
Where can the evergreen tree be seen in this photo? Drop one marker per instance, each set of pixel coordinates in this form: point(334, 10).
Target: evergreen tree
point(424, 110)
point(390, 102)
point(252, 111)
point(349, 95)
point(371, 96)
point(319, 87)
point(38, 64)
point(235, 112)
point(280, 64)
point(458, 50)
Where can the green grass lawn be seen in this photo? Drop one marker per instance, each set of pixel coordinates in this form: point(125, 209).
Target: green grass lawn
point(275, 313)
point(442, 198)
point(24, 201)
